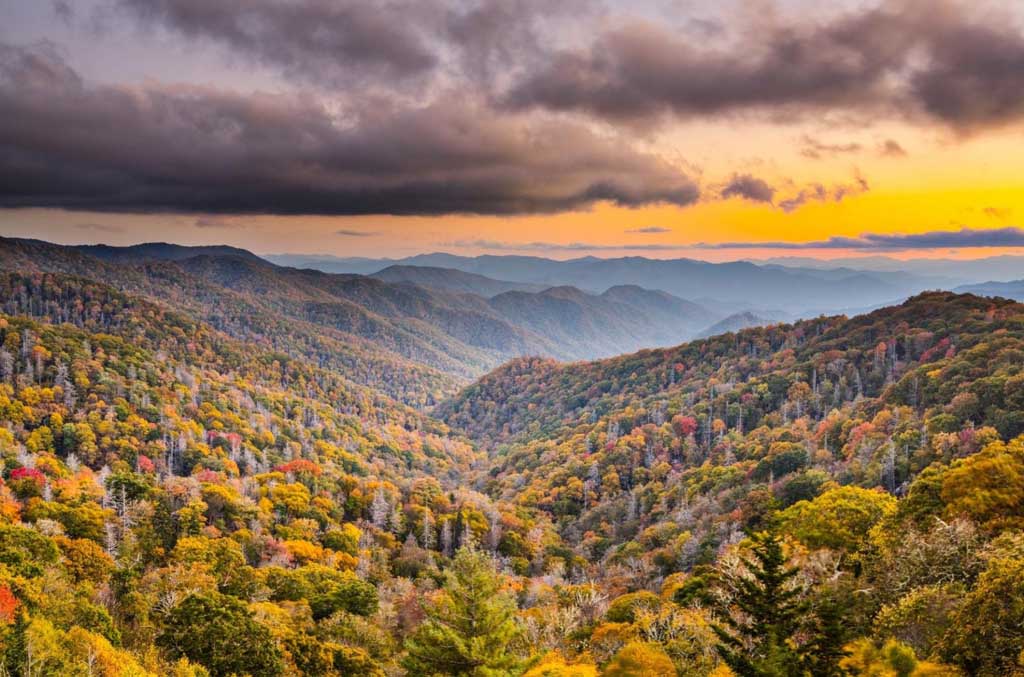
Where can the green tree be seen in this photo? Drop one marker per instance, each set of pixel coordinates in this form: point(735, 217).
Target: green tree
point(349, 594)
point(220, 633)
point(755, 641)
point(824, 651)
point(471, 628)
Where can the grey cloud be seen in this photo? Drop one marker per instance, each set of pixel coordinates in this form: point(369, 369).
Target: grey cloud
point(965, 237)
point(819, 193)
point(495, 39)
point(816, 149)
point(385, 45)
point(940, 239)
point(63, 9)
point(749, 188)
point(975, 76)
point(891, 148)
point(336, 41)
point(150, 148)
point(755, 189)
point(937, 59)
point(217, 222)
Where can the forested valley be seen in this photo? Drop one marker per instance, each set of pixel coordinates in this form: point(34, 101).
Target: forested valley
point(204, 474)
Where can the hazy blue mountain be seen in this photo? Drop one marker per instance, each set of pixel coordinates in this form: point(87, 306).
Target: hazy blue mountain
point(331, 264)
point(450, 279)
point(733, 284)
point(1008, 290)
point(736, 322)
point(581, 323)
point(955, 271)
point(417, 333)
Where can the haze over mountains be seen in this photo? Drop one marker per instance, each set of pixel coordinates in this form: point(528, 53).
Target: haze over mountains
point(953, 271)
point(420, 323)
point(1010, 290)
point(802, 288)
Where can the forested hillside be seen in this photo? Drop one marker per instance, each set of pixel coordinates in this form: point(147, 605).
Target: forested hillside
point(252, 317)
point(160, 476)
point(883, 453)
point(838, 496)
point(418, 344)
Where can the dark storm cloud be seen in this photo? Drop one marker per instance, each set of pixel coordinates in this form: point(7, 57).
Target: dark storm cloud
point(940, 239)
point(749, 188)
point(335, 41)
point(933, 59)
point(65, 143)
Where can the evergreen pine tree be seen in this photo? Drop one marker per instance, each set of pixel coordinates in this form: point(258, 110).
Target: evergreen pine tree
point(470, 630)
point(756, 642)
point(829, 634)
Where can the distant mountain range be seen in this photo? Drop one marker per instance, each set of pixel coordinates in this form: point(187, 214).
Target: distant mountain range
point(448, 279)
point(725, 288)
point(1009, 290)
point(952, 271)
point(418, 329)
point(737, 322)
point(412, 332)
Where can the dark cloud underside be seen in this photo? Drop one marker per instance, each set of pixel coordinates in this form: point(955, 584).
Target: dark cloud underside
point(480, 106)
point(64, 143)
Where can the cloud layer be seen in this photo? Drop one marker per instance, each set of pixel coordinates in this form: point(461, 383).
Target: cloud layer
point(939, 239)
point(334, 41)
point(66, 143)
point(936, 59)
point(435, 107)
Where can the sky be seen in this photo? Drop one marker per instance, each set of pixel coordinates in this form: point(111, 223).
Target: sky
point(660, 128)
